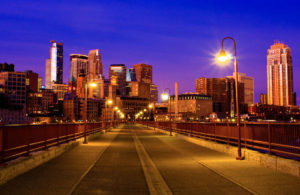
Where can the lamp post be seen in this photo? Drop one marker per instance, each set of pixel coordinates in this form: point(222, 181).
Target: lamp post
point(85, 108)
point(223, 58)
point(108, 103)
point(152, 107)
point(115, 115)
point(166, 96)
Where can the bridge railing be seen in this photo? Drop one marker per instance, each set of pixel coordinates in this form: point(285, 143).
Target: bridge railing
point(21, 140)
point(282, 139)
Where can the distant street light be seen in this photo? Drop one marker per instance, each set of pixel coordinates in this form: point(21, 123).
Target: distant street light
point(225, 58)
point(107, 103)
point(115, 114)
point(152, 107)
point(167, 96)
point(91, 84)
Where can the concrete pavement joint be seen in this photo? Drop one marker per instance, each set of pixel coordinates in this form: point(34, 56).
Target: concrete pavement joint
point(277, 163)
point(155, 181)
point(91, 166)
point(216, 172)
point(226, 177)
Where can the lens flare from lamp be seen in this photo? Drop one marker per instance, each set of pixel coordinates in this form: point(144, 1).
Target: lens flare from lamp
point(93, 84)
point(164, 96)
point(223, 57)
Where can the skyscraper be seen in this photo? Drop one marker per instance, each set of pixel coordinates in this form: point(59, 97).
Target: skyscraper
point(79, 65)
point(117, 75)
point(31, 81)
point(143, 73)
point(130, 75)
point(280, 75)
point(95, 67)
point(153, 93)
point(248, 87)
point(222, 91)
point(54, 65)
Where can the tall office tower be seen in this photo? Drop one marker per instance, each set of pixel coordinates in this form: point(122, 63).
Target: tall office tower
point(80, 83)
point(60, 90)
point(79, 65)
point(153, 93)
point(130, 75)
point(40, 84)
point(280, 75)
point(140, 89)
point(32, 81)
point(72, 86)
point(95, 65)
point(54, 65)
point(117, 72)
point(248, 87)
point(143, 73)
point(263, 98)
point(222, 91)
point(98, 92)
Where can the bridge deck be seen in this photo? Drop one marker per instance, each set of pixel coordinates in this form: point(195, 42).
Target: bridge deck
point(136, 160)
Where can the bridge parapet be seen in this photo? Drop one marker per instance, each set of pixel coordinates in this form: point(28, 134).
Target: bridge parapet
point(21, 140)
point(281, 139)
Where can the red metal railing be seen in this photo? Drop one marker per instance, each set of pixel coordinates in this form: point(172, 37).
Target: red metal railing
point(20, 140)
point(282, 139)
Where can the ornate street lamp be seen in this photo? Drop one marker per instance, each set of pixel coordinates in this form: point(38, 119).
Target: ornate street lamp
point(166, 96)
point(87, 85)
point(224, 58)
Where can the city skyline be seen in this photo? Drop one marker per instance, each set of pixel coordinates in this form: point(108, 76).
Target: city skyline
point(183, 53)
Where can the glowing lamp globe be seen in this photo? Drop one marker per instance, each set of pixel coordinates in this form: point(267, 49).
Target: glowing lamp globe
point(223, 57)
point(164, 96)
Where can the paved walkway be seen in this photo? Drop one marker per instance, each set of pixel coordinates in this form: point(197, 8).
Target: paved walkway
point(136, 160)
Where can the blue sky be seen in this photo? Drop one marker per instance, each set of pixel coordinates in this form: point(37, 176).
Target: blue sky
point(178, 37)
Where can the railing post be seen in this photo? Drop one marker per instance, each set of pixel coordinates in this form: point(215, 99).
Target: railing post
point(269, 137)
point(74, 130)
point(45, 138)
point(57, 136)
point(1, 144)
point(215, 126)
point(67, 129)
point(228, 128)
point(27, 140)
point(245, 133)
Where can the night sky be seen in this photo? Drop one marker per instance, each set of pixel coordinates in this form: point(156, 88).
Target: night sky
point(179, 38)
